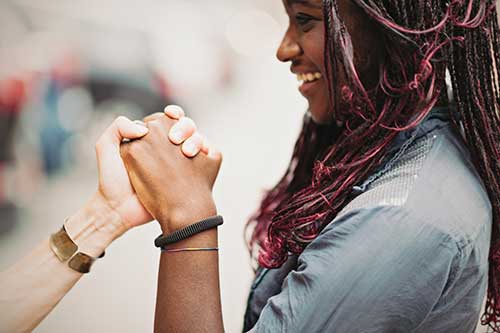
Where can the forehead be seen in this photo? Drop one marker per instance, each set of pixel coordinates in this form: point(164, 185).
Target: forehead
point(307, 3)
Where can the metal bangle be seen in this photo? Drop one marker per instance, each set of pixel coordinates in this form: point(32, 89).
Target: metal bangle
point(65, 248)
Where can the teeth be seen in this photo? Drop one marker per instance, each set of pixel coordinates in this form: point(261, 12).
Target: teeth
point(309, 77)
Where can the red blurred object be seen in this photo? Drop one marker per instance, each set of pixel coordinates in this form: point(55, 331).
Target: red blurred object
point(12, 95)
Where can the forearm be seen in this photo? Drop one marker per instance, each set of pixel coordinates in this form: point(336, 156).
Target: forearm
point(31, 288)
point(188, 296)
point(177, 191)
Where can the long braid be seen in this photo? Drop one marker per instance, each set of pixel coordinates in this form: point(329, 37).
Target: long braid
point(423, 39)
point(475, 85)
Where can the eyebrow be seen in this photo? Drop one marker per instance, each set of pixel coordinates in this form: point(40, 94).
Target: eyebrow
point(306, 3)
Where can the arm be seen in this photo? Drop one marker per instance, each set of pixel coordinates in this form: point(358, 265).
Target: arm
point(188, 294)
point(32, 287)
point(178, 192)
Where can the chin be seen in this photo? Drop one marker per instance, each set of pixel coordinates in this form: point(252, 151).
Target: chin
point(320, 117)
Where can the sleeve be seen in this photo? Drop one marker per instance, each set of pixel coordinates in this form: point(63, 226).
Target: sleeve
point(372, 270)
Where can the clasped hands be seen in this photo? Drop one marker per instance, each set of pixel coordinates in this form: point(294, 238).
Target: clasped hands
point(160, 168)
point(165, 170)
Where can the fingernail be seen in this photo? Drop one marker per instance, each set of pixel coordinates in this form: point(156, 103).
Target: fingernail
point(176, 136)
point(189, 148)
point(141, 127)
point(173, 110)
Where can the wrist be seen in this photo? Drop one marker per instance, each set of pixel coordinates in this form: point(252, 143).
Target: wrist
point(184, 216)
point(94, 227)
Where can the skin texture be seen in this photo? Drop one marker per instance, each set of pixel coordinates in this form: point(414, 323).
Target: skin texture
point(303, 46)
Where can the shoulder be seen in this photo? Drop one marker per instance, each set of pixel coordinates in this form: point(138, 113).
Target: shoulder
point(433, 184)
point(391, 232)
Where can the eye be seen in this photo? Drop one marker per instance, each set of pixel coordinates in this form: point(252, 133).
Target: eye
point(304, 20)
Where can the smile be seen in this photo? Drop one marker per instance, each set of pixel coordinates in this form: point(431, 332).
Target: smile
point(308, 77)
point(307, 82)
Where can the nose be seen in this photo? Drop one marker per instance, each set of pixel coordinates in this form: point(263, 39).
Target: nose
point(289, 48)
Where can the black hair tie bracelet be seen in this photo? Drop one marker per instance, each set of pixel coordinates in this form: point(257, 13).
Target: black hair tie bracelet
point(193, 229)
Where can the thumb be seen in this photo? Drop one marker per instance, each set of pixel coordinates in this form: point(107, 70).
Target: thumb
point(121, 128)
point(215, 160)
point(215, 155)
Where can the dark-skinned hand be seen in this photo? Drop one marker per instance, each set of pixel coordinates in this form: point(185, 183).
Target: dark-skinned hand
point(174, 189)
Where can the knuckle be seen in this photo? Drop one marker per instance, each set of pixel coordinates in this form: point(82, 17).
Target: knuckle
point(154, 116)
point(169, 122)
point(155, 125)
point(157, 131)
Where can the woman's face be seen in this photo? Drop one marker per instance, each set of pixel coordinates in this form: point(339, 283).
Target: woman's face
point(303, 46)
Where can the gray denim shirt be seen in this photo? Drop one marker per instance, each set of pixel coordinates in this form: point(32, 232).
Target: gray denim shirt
point(408, 254)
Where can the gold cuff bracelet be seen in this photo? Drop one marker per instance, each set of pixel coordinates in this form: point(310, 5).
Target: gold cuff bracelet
point(65, 248)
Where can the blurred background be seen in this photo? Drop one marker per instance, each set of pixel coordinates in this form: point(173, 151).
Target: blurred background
point(68, 68)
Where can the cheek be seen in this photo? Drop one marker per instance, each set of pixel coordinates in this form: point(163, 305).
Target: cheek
point(314, 47)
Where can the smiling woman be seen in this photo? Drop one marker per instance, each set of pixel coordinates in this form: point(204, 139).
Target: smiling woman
point(304, 46)
point(384, 165)
point(386, 220)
